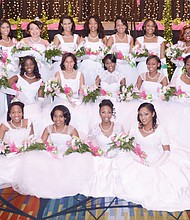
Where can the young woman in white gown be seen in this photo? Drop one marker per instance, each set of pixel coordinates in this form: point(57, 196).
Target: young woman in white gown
point(110, 80)
point(123, 42)
point(6, 45)
point(66, 39)
point(153, 80)
point(155, 44)
point(60, 131)
point(95, 40)
point(14, 131)
point(28, 83)
point(100, 134)
point(184, 42)
point(162, 182)
point(183, 81)
point(35, 41)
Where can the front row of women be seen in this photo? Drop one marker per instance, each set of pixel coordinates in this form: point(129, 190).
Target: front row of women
point(159, 180)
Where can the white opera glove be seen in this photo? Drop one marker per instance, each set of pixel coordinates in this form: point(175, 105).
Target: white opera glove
point(163, 158)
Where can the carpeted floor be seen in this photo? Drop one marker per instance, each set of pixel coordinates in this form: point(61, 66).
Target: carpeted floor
point(14, 206)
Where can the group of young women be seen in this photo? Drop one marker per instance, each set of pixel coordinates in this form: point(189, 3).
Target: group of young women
point(158, 180)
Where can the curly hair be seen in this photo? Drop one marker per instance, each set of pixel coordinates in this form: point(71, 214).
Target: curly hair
point(182, 31)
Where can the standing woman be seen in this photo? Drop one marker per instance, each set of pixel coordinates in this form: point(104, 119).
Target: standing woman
point(35, 41)
point(123, 42)
point(66, 39)
point(94, 40)
point(155, 44)
point(184, 42)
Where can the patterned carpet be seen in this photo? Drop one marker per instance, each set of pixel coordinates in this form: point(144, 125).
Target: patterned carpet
point(14, 206)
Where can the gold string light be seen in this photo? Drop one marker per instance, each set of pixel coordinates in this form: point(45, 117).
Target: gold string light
point(186, 11)
point(177, 9)
point(56, 8)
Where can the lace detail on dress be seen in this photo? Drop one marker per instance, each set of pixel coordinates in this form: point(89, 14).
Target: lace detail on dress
point(144, 77)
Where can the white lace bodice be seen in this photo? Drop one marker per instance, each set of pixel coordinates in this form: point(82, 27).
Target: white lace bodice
point(17, 136)
point(153, 47)
point(100, 139)
point(67, 46)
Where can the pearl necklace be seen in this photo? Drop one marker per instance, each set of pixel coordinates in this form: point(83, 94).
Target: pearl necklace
point(7, 42)
point(187, 76)
point(106, 130)
point(153, 76)
point(16, 127)
point(69, 74)
point(147, 132)
point(29, 77)
point(149, 38)
point(61, 131)
point(93, 37)
point(34, 42)
point(120, 38)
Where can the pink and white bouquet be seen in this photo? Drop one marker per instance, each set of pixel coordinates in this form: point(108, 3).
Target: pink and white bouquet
point(4, 81)
point(128, 93)
point(167, 93)
point(80, 146)
point(52, 52)
point(6, 148)
point(87, 53)
point(140, 53)
point(91, 94)
point(145, 96)
point(175, 53)
point(141, 154)
point(53, 87)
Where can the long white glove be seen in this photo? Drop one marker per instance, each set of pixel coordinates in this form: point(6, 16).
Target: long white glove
point(163, 158)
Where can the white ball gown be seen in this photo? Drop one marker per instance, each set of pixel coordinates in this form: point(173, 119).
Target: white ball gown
point(180, 84)
point(91, 67)
point(9, 163)
point(65, 47)
point(163, 187)
point(152, 47)
point(128, 71)
point(41, 174)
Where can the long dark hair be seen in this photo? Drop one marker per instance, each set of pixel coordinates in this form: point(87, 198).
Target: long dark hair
point(145, 23)
point(151, 108)
point(123, 21)
point(10, 107)
point(60, 27)
point(36, 69)
point(64, 57)
point(100, 29)
point(7, 22)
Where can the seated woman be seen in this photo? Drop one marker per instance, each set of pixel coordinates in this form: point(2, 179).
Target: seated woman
point(60, 131)
point(69, 75)
point(16, 129)
point(183, 80)
point(110, 80)
point(100, 134)
point(29, 90)
point(159, 178)
point(152, 80)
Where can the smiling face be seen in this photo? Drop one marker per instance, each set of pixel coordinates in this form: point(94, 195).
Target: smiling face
point(67, 25)
point(16, 113)
point(69, 64)
point(34, 30)
point(93, 25)
point(146, 116)
point(120, 27)
point(29, 66)
point(187, 66)
point(150, 28)
point(187, 35)
point(110, 65)
point(153, 65)
point(58, 118)
point(5, 29)
point(106, 114)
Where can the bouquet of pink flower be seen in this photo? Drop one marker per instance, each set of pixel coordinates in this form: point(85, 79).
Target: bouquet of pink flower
point(52, 51)
point(67, 91)
point(142, 155)
point(127, 93)
point(175, 53)
point(122, 141)
point(140, 53)
point(145, 96)
point(4, 81)
point(79, 146)
point(52, 87)
point(6, 148)
point(90, 94)
point(124, 58)
point(167, 93)
point(88, 53)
